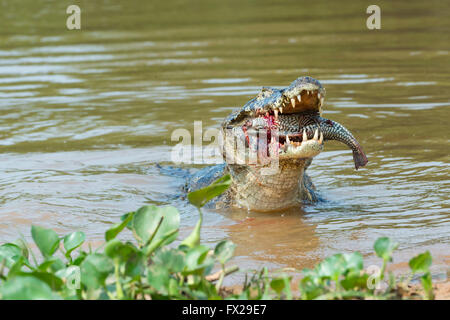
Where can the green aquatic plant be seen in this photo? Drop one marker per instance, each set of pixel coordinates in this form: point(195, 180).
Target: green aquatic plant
point(152, 266)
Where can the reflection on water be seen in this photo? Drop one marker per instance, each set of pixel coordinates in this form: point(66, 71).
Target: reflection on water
point(85, 116)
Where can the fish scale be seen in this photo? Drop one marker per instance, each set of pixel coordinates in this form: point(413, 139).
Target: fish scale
point(296, 125)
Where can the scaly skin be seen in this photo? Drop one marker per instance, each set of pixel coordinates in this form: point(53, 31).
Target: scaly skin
point(269, 143)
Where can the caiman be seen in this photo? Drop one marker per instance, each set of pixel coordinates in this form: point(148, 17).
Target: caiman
point(269, 143)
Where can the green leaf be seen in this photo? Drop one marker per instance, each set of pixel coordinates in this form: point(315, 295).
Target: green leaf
point(26, 288)
point(224, 251)
point(157, 243)
point(171, 259)
point(427, 284)
point(278, 285)
point(159, 278)
point(193, 239)
point(22, 244)
point(54, 282)
point(10, 253)
point(95, 269)
point(73, 241)
point(147, 225)
point(309, 289)
point(200, 197)
point(58, 264)
point(384, 248)
point(46, 264)
point(117, 228)
point(421, 262)
point(54, 263)
point(355, 261)
point(16, 268)
point(125, 217)
point(115, 249)
point(47, 240)
point(355, 281)
point(332, 267)
point(197, 262)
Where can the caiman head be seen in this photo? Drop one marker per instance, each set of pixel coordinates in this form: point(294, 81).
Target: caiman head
point(272, 139)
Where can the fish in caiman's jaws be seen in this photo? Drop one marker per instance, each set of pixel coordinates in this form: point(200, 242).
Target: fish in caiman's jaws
point(283, 125)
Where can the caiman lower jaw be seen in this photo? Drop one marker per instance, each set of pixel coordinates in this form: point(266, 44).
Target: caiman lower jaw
point(298, 145)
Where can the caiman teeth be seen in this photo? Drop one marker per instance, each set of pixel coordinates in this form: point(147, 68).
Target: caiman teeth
point(281, 109)
point(287, 140)
point(299, 97)
point(305, 136)
point(293, 102)
point(316, 134)
point(275, 111)
point(321, 138)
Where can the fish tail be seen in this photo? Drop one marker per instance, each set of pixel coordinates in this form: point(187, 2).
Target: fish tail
point(359, 158)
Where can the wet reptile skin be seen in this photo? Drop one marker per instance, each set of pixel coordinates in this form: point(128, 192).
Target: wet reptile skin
point(292, 112)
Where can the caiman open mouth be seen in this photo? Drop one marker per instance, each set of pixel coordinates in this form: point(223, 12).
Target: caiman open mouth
point(304, 101)
point(288, 123)
point(282, 122)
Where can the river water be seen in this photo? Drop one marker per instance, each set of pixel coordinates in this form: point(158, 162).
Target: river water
point(85, 116)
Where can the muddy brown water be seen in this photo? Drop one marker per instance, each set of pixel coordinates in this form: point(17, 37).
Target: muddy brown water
point(85, 115)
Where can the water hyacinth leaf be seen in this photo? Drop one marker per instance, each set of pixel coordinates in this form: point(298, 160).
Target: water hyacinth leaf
point(53, 281)
point(95, 269)
point(53, 263)
point(158, 277)
point(224, 251)
point(47, 240)
point(22, 244)
point(355, 281)
point(355, 261)
point(68, 272)
point(16, 268)
point(111, 233)
point(135, 264)
point(46, 264)
point(58, 264)
point(384, 248)
point(9, 254)
point(26, 288)
point(427, 284)
point(333, 266)
point(278, 285)
point(196, 259)
point(115, 249)
point(125, 217)
point(148, 227)
point(153, 245)
point(200, 197)
point(421, 262)
point(193, 239)
point(171, 259)
point(73, 241)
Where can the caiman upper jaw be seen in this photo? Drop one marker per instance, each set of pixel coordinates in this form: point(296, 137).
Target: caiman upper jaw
point(303, 95)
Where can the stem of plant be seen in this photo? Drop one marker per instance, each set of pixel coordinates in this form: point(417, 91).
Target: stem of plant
point(118, 286)
point(222, 275)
